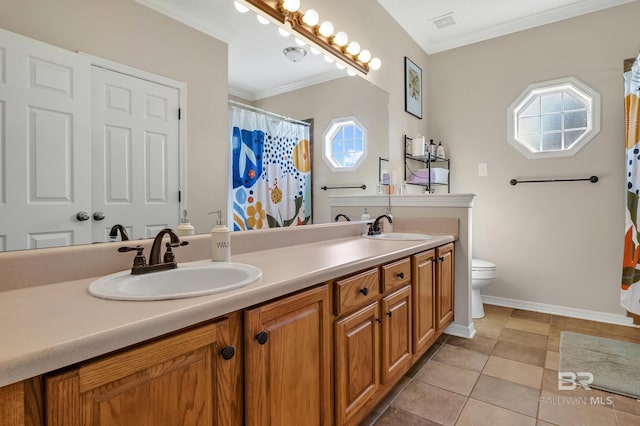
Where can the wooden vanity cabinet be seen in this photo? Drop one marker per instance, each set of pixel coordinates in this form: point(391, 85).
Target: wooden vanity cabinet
point(424, 309)
point(372, 339)
point(192, 377)
point(444, 287)
point(357, 361)
point(396, 333)
point(21, 403)
point(288, 360)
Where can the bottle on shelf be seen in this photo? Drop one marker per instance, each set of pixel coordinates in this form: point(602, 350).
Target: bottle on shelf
point(432, 149)
point(440, 151)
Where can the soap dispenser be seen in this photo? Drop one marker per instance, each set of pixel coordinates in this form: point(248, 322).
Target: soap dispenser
point(220, 241)
point(185, 228)
point(365, 215)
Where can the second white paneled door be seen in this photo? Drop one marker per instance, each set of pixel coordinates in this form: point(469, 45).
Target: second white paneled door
point(135, 163)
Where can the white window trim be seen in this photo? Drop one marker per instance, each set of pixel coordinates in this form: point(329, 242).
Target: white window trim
point(326, 145)
point(593, 126)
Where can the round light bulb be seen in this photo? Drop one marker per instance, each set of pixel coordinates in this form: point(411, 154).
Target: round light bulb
point(314, 50)
point(326, 29)
point(283, 32)
point(240, 7)
point(353, 48)
point(311, 18)
point(340, 66)
point(299, 42)
point(351, 73)
point(340, 39)
point(291, 5)
point(262, 19)
point(328, 59)
point(375, 64)
point(364, 56)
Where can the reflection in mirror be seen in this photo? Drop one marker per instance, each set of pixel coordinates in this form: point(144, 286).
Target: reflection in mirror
point(149, 41)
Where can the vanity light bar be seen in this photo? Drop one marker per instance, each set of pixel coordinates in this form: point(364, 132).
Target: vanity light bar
point(293, 21)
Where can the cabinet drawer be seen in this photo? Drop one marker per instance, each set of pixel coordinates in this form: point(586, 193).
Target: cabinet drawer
point(396, 274)
point(357, 290)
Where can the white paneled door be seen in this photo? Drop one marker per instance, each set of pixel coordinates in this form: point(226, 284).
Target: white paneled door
point(135, 161)
point(45, 145)
point(82, 148)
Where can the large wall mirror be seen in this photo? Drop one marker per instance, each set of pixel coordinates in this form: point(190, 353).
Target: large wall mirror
point(208, 54)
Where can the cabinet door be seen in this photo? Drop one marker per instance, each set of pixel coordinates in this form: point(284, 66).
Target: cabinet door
point(230, 372)
point(21, 403)
point(396, 333)
point(169, 381)
point(357, 361)
point(423, 291)
point(288, 360)
point(444, 286)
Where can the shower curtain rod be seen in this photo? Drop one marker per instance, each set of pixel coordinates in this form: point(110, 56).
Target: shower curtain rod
point(264, 111)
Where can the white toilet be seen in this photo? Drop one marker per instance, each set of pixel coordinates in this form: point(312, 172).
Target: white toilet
point(482, 274)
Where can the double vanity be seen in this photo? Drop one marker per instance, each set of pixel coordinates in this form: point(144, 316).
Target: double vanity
point(329, 327)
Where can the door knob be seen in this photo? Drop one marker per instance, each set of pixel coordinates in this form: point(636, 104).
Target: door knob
point(98, 216)
point(82, 216)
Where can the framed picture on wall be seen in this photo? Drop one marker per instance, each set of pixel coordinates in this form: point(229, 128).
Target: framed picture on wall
point(412, 88)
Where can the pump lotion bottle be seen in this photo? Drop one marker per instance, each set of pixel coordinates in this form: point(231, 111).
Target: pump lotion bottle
point(220, 241)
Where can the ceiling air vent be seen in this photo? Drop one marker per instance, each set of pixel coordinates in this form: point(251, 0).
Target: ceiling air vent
point(444, 21)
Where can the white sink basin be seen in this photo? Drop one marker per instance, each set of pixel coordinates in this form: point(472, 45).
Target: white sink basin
point(187, 280)
point(400, 236)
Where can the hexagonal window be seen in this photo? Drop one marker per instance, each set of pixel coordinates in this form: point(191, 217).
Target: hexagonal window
point(553, 118)
point(345, 144)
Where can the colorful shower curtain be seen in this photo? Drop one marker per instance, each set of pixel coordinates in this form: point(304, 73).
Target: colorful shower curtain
point(630, 291)
point(271, 171)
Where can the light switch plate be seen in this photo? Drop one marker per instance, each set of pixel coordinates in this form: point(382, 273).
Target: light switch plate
point(482, 169)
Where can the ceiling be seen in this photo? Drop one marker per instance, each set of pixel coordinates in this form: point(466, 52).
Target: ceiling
point(258, 68)
point(478, 20)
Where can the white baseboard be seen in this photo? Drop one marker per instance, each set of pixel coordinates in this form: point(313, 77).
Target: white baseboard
point(460, 330)
point(559, 310)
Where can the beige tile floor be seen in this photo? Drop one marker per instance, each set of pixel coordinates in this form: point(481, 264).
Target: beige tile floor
point(506, 375)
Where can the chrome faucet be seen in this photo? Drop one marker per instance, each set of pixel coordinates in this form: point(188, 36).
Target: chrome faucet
point(374, 228)
point(140, 265)
point(113, 234)
point(339, 215)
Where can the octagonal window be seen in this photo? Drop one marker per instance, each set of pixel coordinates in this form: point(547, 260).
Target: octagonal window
point(345, 143)
point(553, 118)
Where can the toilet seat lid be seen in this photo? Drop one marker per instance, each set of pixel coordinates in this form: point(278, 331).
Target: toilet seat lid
point(482, 265)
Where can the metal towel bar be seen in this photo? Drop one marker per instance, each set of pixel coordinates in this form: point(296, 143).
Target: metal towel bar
point(363, 187)
point(592, 179)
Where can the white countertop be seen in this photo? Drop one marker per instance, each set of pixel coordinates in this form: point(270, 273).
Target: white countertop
point(52, 326)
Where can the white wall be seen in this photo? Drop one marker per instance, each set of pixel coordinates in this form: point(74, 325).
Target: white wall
point(554, 243)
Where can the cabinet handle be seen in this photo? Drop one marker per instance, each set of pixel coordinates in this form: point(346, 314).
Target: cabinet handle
point(262, 337)
point(389, 314)
point(441, 259)
point(379, 320)
point(228, 352)
point(401, 275)
point(364, 291)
